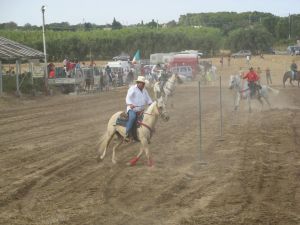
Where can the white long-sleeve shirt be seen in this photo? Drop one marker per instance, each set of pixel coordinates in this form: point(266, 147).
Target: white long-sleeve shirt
point(137, 98)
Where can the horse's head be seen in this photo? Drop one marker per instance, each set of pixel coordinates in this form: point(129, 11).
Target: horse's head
point(178, 79)
point(161, 109)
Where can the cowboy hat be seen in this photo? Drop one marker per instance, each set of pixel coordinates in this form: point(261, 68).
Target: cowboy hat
point(141, 79)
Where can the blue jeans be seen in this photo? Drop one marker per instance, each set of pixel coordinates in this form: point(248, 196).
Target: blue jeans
point(131, 120)
point(293, 74)
point(251, 86)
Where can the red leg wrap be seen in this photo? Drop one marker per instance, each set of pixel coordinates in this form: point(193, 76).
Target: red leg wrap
point(134, 161)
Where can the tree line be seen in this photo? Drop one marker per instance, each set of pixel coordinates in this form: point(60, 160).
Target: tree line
point(206, 32)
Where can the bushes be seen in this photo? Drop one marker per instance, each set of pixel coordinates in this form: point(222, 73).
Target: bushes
point(25, 84)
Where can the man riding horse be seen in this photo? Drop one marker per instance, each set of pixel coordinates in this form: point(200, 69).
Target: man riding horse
point(293, 69)
point(252, 78)
point(136, 99)
point(163, 78)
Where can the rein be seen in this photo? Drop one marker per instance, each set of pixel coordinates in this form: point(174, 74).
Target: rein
point(244, 90)
point(145, 125)
point(241, 91)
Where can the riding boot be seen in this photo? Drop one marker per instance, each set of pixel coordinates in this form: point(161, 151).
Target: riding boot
point(127, 137)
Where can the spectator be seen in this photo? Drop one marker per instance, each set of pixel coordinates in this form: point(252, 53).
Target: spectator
point(258, 71)
point(221, 61)
point(248, 59)
point(268, 76)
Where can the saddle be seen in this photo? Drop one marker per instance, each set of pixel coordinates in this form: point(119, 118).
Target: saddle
point(122, 121)
point(123, 118)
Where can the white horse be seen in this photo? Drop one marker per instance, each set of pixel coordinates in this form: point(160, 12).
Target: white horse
point(240, 86)
point(168, 88)
point(144, 132)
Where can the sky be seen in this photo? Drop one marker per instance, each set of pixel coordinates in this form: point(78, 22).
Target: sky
point(129, 12)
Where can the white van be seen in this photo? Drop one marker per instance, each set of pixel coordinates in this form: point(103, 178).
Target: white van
point(116, 65)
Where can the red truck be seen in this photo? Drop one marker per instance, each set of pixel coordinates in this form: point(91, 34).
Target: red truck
point(185, 60)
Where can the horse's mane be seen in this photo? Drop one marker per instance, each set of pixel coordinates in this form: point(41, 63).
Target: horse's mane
point(243, 83)
point(150, 108)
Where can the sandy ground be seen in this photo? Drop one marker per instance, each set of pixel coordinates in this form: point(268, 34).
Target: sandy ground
point(49, 174)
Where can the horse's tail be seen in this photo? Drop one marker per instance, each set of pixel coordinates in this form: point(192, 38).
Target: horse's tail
point(100, 145)
point(274, 91)
point(101, 139)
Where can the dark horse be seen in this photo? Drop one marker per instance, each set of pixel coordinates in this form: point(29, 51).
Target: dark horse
point(288, 75)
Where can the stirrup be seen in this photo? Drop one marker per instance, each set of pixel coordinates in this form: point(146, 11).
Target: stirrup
point(127, 138)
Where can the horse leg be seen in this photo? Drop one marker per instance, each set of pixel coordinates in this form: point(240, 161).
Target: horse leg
point(291, 82)
point(134, 160)
point(113, 159)
point(145, 145)
point(267, 101)
point(261, 102)
point(237, 101)
point(249, 103)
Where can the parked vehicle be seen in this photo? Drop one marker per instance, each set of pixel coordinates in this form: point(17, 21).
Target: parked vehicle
point(67, 83)
point(293, 50)
point(161, 58)
point(270, 51)
point(185, 72)
point(185, 60)
point(241, 54)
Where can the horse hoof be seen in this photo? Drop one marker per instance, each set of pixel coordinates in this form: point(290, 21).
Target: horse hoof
point(98, 159)
point(150, 163)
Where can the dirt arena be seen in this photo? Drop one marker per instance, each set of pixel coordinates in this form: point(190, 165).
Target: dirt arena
point(49, 174)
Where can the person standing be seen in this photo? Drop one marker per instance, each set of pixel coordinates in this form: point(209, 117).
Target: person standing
point(136, 99)
point(258, 72)
point(248, 59)
point(268, 76)
point(252, 78)
point(228, 60)
point(221, 61)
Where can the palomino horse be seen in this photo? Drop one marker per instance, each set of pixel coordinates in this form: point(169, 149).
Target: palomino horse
point(144, 131)
point(288, 75)
point(168, 88)
point(243, 91)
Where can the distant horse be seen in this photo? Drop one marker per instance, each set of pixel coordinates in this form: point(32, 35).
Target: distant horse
point(144, 131)
point(151, 78)
point(168, 88)
point(288, 75)
point(243, 91)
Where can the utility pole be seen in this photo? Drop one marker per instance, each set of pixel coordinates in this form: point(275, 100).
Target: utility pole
point(290, 26)
point(249, 19)
point(45, 52)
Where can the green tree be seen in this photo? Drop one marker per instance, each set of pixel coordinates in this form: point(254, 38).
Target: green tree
point(116, 25)
point(256, 39)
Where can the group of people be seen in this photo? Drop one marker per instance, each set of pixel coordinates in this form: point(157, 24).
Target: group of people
point(253, 77)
